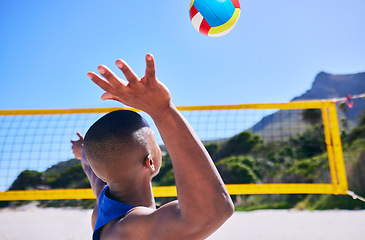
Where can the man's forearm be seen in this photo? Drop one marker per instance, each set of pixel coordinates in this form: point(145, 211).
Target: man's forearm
point(197, 178)
point(96, 183)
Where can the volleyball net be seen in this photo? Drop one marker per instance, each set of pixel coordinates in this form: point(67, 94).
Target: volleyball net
point(38, 141)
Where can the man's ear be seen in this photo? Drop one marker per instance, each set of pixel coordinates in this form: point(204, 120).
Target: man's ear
point(150, 164)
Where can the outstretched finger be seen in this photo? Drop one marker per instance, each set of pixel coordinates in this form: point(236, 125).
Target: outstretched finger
point(103, 84)
point(109, 96)
point(150, 67)
point(111, 77)
point(127, 71)
point(80, 135)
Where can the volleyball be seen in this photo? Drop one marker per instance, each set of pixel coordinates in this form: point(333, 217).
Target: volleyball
point(214, 18)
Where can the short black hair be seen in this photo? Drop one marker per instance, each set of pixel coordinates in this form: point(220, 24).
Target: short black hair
point(112, 134)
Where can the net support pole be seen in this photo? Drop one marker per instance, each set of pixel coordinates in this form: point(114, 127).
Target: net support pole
point(337, 148)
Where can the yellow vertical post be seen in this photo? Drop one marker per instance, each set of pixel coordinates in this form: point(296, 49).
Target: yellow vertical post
point(330, 151)
point(337, 147)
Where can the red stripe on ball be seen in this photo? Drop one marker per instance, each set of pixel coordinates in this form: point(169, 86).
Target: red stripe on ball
point(236, 3)
point(193, 12)
point(204, 27)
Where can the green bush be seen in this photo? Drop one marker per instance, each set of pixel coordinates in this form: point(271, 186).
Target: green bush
point(237, 169)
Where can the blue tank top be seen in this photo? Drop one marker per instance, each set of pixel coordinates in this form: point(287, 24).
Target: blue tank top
point(108, 210)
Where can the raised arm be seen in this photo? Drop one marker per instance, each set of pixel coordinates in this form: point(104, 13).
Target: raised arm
point(96, 183)
point(203, 201)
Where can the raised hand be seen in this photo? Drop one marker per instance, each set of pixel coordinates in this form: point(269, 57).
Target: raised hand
point(146, 93)
point(77, 146)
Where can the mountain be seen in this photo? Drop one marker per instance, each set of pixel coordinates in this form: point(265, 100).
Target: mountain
point(328, 85)
point(325, 86)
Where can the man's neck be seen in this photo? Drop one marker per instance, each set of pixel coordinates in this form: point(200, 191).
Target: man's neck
point(132, 194)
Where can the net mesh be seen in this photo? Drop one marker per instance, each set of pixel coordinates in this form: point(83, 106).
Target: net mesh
point(36, 142)
point(39, 141)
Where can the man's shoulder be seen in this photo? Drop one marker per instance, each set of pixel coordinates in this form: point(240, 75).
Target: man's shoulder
point(139, 222)
point(134, 225)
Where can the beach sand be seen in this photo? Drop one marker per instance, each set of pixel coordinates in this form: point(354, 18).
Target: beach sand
point(31, 222)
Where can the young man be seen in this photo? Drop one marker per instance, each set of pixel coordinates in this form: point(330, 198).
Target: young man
point(122, 156)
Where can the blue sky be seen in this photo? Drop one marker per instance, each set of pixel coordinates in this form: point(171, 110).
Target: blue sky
point(272, 55)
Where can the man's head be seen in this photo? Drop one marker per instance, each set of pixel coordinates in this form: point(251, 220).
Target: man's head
point(119, 145)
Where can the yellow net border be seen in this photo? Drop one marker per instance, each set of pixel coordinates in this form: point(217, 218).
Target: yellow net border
point(338, 183)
